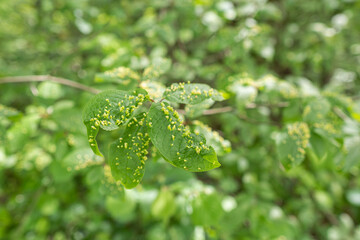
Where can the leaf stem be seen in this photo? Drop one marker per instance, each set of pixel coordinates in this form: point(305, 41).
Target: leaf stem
point(42, 78)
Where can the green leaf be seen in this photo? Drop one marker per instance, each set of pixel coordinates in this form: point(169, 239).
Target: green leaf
point(207, 209)
point(164, 205)
point(176, 143)
point(291, 144)
point(193, 111)
point(8, 112)
point(352, 159)
point(80, 159)
point(50, 90)
point(316, 110)
point(191, 93)
point(158, 67)
point(127, 155)
point(109, 110)
point(155, 89)
point(213, 138)
point(127, 78)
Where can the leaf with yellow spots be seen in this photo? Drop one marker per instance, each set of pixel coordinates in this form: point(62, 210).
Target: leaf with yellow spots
point(155, 89)
point(128, 154)
point(80, 159)
point(316, 111)
point(176, 143)
point(109, 110)
point(123, 76)
point(291, 144)
point(191, 93)
point(213, 138)
point(158, 67)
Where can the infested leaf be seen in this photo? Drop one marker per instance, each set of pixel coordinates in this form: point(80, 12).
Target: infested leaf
point(129, 153)
point(109, 110)
point(158, 67)
point(213, 138)
point(291, 144)
point(126, 77)
point(316, 110)
point(191, 93)
point(80, 159)
point(176, 143)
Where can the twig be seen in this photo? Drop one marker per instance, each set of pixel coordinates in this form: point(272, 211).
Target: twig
point(256, 105)
point(42, 78)
point(217, 110)
point(340, 113)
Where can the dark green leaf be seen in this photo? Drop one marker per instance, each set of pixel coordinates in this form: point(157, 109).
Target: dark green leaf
point(176, 143)
point(108, 110)
point(128, 154)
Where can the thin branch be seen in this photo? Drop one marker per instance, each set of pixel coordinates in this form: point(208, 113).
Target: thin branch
point(340, 113)
point(42, 78)
point(218, 110)
point(271, 105)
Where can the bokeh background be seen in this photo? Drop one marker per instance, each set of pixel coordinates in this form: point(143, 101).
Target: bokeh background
point(270, 58)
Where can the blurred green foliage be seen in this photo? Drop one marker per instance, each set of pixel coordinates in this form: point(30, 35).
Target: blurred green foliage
point(289, 71)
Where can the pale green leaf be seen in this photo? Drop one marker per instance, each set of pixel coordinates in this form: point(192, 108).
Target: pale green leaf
point(213, 138)
point(163, 207)
point(158, 67)
point(291, 144)
point(80, 159)
point(316, 110)
point(207, 209)
point(126, 77)
point(191, 93)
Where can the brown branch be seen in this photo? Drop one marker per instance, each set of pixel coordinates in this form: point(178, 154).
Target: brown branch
point(43, 78)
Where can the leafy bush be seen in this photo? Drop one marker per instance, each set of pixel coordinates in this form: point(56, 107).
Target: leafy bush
point(253, 103)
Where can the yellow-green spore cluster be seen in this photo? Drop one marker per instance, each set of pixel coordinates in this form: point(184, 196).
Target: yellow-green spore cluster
point(189, 93)
point(176, 142)
point(129, 153)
